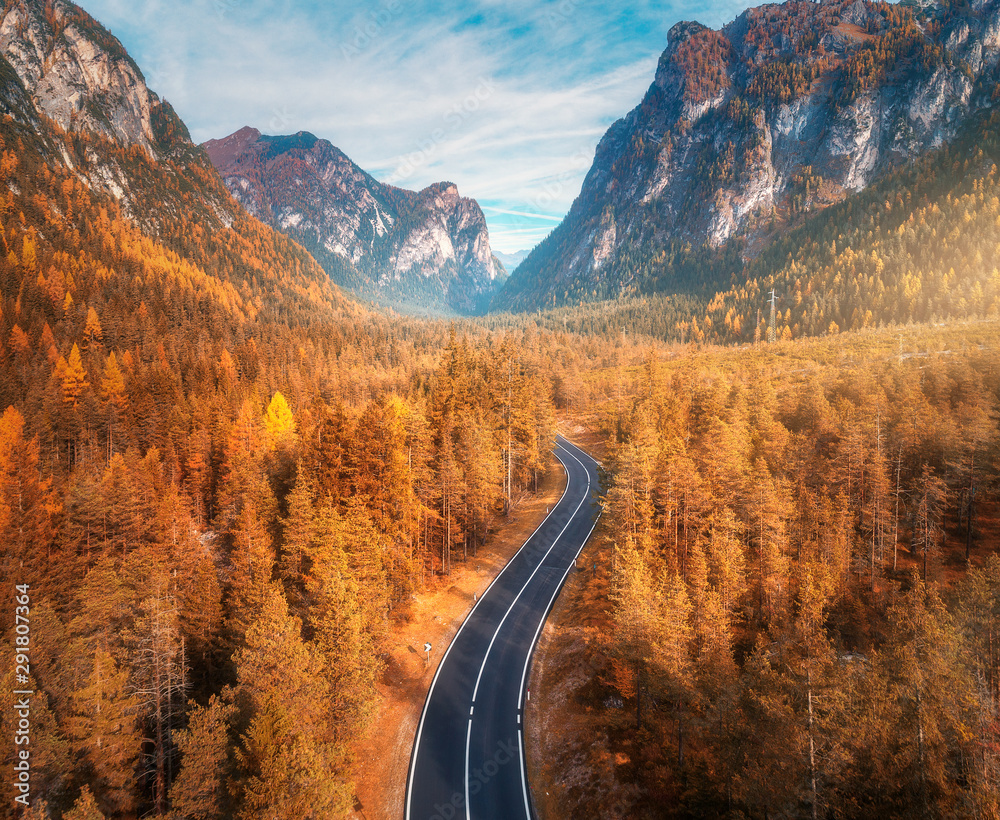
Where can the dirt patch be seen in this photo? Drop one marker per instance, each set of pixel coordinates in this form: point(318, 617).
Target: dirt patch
point(434, 616)
point(580, 431)
point(854, 32)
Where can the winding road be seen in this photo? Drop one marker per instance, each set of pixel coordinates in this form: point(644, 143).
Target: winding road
point(468, 756)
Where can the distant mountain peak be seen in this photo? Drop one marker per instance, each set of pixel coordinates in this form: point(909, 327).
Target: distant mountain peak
point(428, 249)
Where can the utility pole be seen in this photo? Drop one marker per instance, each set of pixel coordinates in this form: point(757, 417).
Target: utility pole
point(772, 333)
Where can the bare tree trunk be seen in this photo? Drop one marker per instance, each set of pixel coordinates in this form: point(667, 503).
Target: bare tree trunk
point(680, 734)
point(895, 526)
point(638, 694)
point(920, 756)
point(812, 748)
point(972, 498)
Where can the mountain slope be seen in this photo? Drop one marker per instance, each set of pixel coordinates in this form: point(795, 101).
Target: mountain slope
point(73, 83)
point(77, 104)
point(170, 368)
point(788, 109)
point(512, 260)
point(428, 249)
point(917, 246)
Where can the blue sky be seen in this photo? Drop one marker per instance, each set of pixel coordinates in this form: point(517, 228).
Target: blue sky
point(506, 98)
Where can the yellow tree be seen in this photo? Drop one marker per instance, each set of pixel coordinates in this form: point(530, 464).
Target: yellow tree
point(279, 423)
point(85, 807)
point(245, 475)
point(73, 385)
point(199, 791)
point(290, 762)
point(74, 378)
point(114, 396)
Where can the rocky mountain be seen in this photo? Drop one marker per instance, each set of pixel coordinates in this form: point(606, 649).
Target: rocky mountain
point(512, 260)
point(429, 249)
point(92, 158)
point(72, 85)
point(788, 109)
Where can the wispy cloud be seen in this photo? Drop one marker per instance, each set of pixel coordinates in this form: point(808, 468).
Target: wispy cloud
point(506, 98)
point(492, 210)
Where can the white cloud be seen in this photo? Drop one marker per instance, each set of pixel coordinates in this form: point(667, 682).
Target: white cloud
point(506, 98)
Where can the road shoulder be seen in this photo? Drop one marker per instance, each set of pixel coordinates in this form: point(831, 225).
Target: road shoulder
point(436, 613)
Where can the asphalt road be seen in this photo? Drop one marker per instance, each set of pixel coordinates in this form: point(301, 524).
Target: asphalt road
point(468, 755)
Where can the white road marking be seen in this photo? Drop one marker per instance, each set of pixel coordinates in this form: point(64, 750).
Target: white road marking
point(526, 583)
point(468, 739)
point(534, 641)
point(475, 692)
point(437, 673)
point(520, 746)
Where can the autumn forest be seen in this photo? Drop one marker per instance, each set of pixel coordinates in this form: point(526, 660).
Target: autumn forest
point(225, 482)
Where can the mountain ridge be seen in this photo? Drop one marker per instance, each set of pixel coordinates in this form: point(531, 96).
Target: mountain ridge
point(428, 248)
point(77, 105)
point(787, 109)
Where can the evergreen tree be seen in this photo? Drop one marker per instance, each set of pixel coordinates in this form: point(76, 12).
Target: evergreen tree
point(199, 791)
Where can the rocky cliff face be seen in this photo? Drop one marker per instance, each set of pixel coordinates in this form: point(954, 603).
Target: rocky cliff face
point(430, 248)
point(787, 109)
point(77, 75)
point(81, 97)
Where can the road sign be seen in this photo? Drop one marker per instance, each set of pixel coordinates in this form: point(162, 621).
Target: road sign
point(427, 647)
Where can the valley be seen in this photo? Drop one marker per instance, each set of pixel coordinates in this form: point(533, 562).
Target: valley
point(269, 425)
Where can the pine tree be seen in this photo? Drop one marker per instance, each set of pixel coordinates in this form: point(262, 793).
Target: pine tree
point(93, 336)
point(347, 587)
point(924, 676)
point(252, 569)
point(290, 763)
point(50, 759)
point(298, 536)
point(928, 527)
point(636, 618)
point(74, 378)
point(159, 669)
point(199, 791)
point(279, 423)
point(673, 654)
point(728, 560)
point(115, 397)
point(102, 726)
point(85, 808)
point(28, 507)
